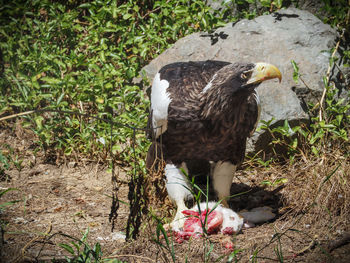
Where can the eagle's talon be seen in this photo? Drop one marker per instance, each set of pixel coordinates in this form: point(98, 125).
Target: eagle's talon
point(167, 227)
point(178, 223)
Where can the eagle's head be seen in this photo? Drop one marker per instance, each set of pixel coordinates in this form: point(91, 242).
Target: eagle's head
point(233, 83)
point(242, 76)
point(253, 74)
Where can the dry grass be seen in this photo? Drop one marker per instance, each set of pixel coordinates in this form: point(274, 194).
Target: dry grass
point(309, 196)
point(321, 187)
point(311, 226)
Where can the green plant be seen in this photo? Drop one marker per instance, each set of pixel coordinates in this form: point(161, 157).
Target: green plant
point(233, 257)
point(278, 248)
point(81, 251)
point(282, 136)
point(337, 12)
point(276, 182)
point(249, 9)
point(4, 164)
point(329, 125)
point(4, 205)
point(169, 244)
point(11, 158)
point(83, 56)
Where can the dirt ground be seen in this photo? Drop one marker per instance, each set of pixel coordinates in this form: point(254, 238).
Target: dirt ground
point(72, 197)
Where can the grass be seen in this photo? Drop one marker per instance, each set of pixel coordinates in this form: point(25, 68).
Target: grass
point(312, 210)
point(84, 56)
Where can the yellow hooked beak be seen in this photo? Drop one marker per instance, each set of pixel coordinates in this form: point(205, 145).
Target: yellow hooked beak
point(263, 71)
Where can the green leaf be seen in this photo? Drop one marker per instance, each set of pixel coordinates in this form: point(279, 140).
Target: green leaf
point(179, 10)
point(314, 150)
point(7, 190)
point(39, 122)
point(60, 98)
point(67, 247)
point(127, 16)
point(295, 71)
point(51, 80)
point(85, 5)
point(86, 233)
point(3, 205)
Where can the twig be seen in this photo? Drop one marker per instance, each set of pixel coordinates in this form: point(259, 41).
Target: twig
point(119, 124)
point(154, 10)
point(311, 245)
point(343, 240)
point(23, 256)
point(18, 115)
point(305, 84)
point(75, 113)
point(130, 255)
point(327, 78)
point(81, 22)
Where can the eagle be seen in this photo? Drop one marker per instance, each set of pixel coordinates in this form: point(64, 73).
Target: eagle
point(203, 111)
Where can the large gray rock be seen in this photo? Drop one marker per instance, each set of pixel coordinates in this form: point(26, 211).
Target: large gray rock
point(292, 34)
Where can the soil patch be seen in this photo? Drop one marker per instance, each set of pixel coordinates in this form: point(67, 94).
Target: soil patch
point(58, 202)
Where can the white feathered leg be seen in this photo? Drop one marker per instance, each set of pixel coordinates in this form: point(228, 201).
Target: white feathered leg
point(222, 175)
point(178, 190)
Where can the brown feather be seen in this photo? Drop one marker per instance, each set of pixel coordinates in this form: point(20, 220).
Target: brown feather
point(211, 125)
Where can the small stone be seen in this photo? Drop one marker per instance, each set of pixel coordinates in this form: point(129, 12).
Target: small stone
point(98, 188)
point(20, 220)
point(69, 187)
point(118, 236)
point(72, 164)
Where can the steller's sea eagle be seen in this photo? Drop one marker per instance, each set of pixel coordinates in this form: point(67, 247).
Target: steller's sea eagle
point(204, 111)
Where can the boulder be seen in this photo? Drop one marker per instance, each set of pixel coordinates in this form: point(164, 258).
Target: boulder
point(278, 38)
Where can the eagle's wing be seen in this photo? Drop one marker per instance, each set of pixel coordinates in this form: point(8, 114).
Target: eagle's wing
point(174, 97)
point(252, 115)
point(175, 91)
point(186, 81)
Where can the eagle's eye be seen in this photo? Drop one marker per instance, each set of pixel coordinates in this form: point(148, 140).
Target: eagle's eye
point(245, 75)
